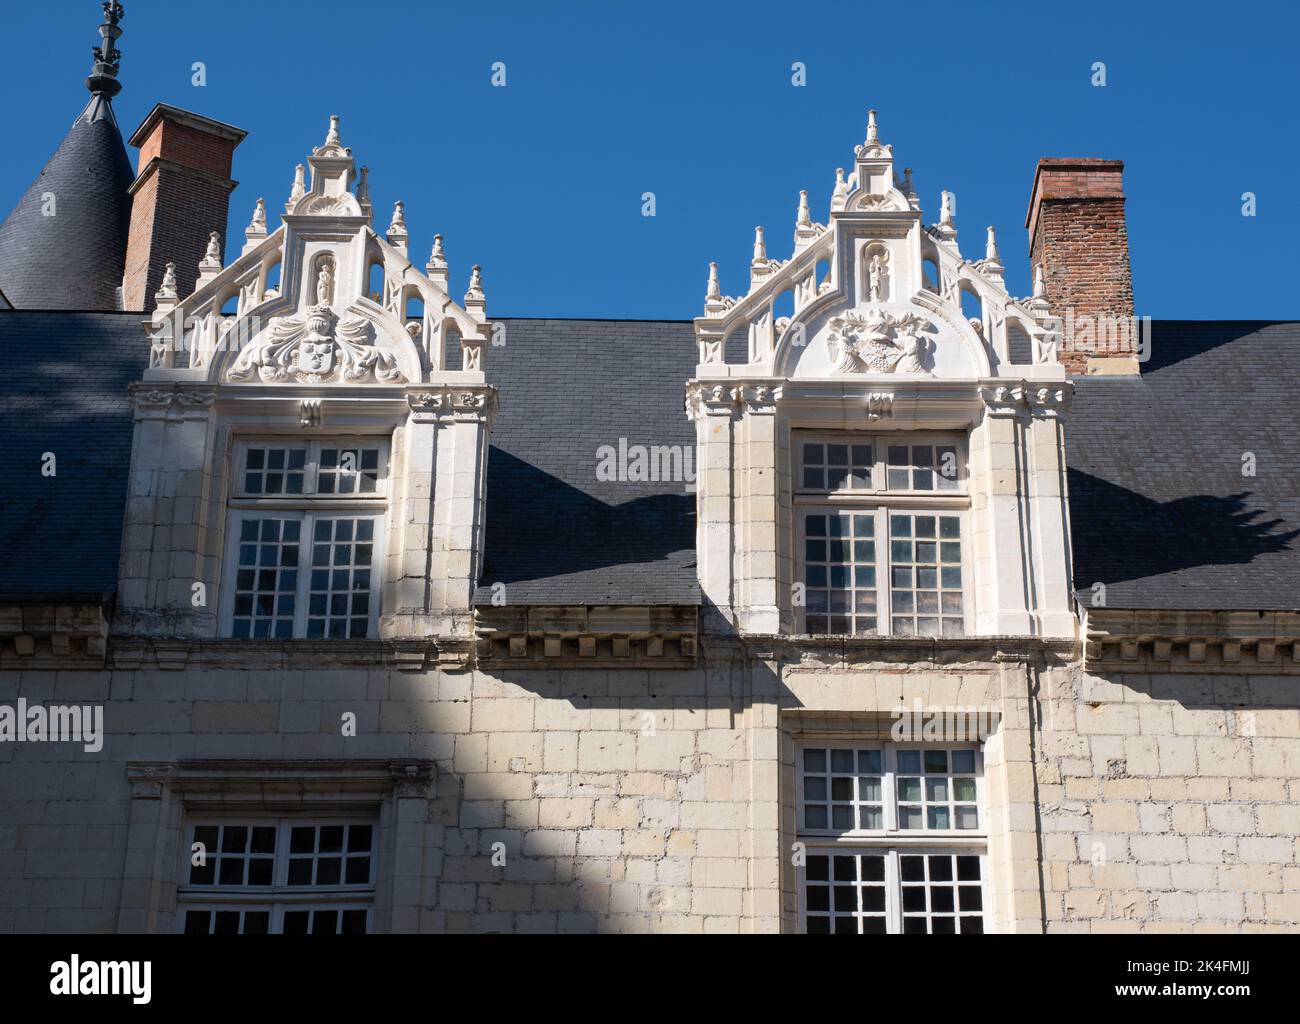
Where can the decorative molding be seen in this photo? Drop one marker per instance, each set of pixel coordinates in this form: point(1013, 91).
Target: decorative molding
point(309, 413)
point(145, 398)
point(580, 636)
point(1040, 400)
point(880, 406)
point(43, 637)
point(1199, 642)
point(710, 399)
point(449, 402)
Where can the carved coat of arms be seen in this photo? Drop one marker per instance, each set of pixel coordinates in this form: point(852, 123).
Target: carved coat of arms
point(316, 347)
point(879, 342)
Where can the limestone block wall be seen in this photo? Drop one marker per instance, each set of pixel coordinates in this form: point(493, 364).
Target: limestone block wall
point(1171, 802)
point(606, 800)
point(620, 799)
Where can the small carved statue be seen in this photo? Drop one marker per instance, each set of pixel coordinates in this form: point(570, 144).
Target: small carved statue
point(876, 270)
point(325, 283)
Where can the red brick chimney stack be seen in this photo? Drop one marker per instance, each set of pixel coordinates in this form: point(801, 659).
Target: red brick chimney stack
point(180, 196)
point(1078, 235)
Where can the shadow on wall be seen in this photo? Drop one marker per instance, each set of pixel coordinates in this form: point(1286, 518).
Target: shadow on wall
point(1132, 537)
point(540, 527)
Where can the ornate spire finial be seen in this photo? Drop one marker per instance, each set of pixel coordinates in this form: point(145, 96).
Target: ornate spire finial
point(397, 234)
point(946, 209)
point(299, 187)
point(108, 58)
point(474, 298)
point(256, 230)
point(804, 218)
point(760, 246)
point(714, 291)
point(167, 293)
point(398, 226)
point(908, 189)
point(438, 257)
point(333, 139)
point(872, 133)
point(1040, 282)
point(210, 265)
point(992, 265)
point(363, 186)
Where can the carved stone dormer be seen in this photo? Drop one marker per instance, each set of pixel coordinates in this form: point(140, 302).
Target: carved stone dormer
point(881, 336)
point(319, 327)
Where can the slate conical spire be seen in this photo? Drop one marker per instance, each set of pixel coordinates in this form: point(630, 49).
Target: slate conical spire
point(64, 244)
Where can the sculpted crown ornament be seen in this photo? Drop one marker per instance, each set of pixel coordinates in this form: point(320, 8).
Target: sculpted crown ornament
point(316, 347)
point(879, 342)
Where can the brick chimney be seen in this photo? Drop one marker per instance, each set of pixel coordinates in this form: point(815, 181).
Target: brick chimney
point(180, 196)
point(1078, 236)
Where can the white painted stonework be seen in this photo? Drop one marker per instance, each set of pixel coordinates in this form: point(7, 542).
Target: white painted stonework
point(874, 344)
point(316, 350)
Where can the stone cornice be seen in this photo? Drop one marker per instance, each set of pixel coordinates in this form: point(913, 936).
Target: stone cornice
point(628, 637)
point(52, 635)
point(1037, 398)
point(406, 655)
point(892, 653)
point(1219, 642)
point(452, 401)
point(277, 782)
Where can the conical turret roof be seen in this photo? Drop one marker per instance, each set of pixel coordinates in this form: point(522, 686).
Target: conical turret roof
point(64, 244)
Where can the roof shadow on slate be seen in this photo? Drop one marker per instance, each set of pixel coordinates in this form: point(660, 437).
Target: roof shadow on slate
point(1133, 538)
point(550, 543)
point(64, 380)
point(1173, 341)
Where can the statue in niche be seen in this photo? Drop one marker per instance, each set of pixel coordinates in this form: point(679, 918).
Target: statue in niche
point(325, 282)
point(876, 257)
point(876, 271)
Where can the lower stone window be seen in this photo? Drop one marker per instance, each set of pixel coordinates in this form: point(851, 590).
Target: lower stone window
point(286, 876)
point(893, 839)
point(914, 892)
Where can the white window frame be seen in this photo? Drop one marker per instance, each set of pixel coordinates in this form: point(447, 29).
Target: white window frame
point(305, 508)
point(891, 842)
point(879, 502)
point(279, 897)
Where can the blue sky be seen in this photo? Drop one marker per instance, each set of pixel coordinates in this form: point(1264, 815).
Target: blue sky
point(541, 181)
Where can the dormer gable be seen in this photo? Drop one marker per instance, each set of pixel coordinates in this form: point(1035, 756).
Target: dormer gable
point(295, 307)
point(876, 290)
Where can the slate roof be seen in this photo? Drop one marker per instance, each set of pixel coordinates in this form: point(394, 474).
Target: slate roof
point(74, 259)
point(557, 535)
point(1161, 511)
point(63, 389)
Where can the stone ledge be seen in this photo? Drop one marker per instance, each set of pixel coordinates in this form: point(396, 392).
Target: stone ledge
point(1221, 642)
point(577, 636)
point(414, 655)
point(53, 636)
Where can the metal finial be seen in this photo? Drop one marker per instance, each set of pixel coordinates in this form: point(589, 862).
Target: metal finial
point(108, 58)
